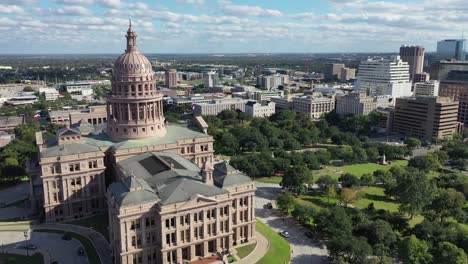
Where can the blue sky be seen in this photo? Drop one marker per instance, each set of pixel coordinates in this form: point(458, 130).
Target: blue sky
point(222, 26)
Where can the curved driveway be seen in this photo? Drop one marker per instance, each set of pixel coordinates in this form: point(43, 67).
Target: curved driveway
point(304, 249)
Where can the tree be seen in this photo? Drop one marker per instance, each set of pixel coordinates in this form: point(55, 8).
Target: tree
point(295, 177)
point(349, 248)
point(379, 234)
point(412, 142)
point(349, 196)
point(368, 178)
point(230, 144)
point(349, 180)
point(448, 253)
point(425, 163)
point(303, 214)
point(333, 222)
point(325, 181)
point(414, 190)
point(414, 251)
point(448, 203)
point(285, 202)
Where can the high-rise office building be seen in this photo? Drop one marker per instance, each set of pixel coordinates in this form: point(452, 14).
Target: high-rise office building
point(426, 116)
point(334, 70)
point(211, 79)
point(414, 56)
point(429, 88)
point(384, 77)
point(451, 49)
point(171, 78)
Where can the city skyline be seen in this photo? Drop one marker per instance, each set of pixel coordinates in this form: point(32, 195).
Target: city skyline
point(204, 26)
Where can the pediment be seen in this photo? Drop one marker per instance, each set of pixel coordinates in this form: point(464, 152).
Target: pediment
point(197, 201)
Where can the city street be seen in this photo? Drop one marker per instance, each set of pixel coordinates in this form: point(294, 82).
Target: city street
point(304, 250)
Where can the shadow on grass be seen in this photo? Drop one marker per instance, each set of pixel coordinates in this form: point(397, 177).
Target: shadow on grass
point(319, 201)
point(374, 197)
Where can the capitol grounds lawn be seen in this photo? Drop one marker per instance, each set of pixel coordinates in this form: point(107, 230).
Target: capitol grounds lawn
point(93, 257)
point(244, 251)
point(21, 259)
point(279, 251)
point(336, 171)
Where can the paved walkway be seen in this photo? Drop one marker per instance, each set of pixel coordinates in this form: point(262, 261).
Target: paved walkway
point(100, 243)
point(260, 250)
point(304, 250)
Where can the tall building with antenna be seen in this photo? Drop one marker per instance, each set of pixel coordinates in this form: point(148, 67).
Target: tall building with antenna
point(451, 49)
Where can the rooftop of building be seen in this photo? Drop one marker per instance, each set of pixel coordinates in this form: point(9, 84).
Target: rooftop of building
point(11, 120)
point(98, 140)
point(169, 178)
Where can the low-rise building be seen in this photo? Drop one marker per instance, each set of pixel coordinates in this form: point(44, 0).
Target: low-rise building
point(93, 114)
point(428, 88)
point(355, 104)
point(313, 107)
point(426, 116)
point(50, 94)
point(216, 106)
point(260, 109)
point(79, 88)
point(282, 102)
point(8, 123)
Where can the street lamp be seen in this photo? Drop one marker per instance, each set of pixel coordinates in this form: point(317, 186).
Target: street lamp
point(27, 246)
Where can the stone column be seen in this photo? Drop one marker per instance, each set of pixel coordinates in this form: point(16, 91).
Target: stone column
point(179, 255)
point(192, 252)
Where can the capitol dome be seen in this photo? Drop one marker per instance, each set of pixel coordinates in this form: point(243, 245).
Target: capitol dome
point(134, 105)
point(132, 62)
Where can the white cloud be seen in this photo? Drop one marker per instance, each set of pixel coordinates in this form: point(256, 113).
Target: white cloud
point(18, 2)
point(192, 2)
point(72, 11)
point(245, 10)
point(11, 9)
point(74, 2)
point(110, 3)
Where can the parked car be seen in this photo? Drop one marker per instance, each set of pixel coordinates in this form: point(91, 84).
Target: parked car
point(66, 237)
point(27, 246)
point(284, 234)
point(268, 206)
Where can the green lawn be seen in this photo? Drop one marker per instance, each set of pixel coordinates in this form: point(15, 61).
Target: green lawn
point(20, 259)
point(98, 223)
point(279, 251)
point(375, 195)
point(357, 169)
point(87, 244)
point(269, 179)
point(244, 251)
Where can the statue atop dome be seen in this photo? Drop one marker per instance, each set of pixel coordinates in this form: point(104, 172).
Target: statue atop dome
point(131, 38)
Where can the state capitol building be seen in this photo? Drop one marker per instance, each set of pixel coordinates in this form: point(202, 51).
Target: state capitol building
point(166, 198)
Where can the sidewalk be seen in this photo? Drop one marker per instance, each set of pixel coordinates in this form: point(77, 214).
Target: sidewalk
point(100, 243)
point(260, 250)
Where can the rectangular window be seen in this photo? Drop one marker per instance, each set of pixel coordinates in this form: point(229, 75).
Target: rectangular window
point(167, 223)
point(168, 239)
point(173, 222)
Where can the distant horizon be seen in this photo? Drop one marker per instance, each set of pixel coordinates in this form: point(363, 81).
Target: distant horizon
point(227, 26)
point(205, 53)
